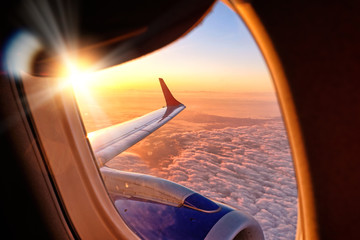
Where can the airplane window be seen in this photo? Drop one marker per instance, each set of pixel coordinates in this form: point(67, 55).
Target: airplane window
point(229, 144)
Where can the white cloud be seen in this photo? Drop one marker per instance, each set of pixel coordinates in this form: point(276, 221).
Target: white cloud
point(248, 167)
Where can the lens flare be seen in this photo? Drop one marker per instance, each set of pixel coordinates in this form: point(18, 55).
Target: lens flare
point(79, 77)
point(20, 52)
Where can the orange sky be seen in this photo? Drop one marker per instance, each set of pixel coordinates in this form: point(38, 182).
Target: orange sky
point(218, 55)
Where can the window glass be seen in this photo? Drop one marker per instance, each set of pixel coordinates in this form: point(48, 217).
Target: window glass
point(229, 144)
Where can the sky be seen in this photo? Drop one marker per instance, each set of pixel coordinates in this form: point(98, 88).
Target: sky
point(218, 55)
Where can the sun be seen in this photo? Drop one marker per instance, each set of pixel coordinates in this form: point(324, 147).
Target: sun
point(79, 76)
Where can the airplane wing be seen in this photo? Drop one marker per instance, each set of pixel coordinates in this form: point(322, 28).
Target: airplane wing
point(109, 142)
point(155, 208)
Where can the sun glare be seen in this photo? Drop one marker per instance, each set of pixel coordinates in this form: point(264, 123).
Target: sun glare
point(79, 78)
point(79, 75)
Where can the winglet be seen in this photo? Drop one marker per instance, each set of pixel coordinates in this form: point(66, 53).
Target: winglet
point(170, 100)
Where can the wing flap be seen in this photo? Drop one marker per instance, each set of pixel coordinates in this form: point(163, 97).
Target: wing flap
point(109, 142)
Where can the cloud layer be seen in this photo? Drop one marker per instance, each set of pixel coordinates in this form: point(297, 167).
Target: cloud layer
point(248, 167)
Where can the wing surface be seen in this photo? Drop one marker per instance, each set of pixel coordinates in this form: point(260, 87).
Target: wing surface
point(111, 141)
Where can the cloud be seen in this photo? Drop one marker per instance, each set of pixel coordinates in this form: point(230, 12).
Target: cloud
point(248, 167)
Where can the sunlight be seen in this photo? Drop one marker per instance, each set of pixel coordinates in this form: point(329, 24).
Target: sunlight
point(79, 79)
point(79, 75)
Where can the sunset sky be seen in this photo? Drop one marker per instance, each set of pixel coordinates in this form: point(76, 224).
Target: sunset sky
point(218, 55)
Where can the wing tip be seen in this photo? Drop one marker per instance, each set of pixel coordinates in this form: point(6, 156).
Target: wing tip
point(169, 98)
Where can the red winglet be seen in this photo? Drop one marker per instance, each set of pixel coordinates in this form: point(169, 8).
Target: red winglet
point(170, 100)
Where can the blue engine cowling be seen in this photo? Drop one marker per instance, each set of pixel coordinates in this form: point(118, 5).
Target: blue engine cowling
point(156, 208)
